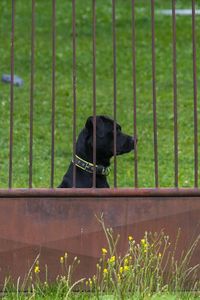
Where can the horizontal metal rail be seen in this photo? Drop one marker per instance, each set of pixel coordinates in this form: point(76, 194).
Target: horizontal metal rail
point(92, 193)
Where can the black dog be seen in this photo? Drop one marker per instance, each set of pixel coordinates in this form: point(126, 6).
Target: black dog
point(104, 152)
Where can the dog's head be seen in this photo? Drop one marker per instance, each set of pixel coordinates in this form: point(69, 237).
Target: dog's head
point(105, 138)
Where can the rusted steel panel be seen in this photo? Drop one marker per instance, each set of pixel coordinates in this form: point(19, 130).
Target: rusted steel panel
point(32, 222)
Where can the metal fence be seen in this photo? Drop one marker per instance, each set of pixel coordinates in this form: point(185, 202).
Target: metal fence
point(152, 7)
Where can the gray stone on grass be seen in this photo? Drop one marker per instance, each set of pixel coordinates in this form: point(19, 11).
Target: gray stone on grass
point(6, 78)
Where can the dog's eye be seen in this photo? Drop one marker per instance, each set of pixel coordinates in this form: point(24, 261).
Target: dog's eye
point(118, 130)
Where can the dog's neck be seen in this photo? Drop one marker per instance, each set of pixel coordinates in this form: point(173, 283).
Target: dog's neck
point(89, 157)
point(85, 179)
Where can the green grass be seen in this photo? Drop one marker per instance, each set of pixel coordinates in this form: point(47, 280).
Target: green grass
point(64, 95)
point(86, 296)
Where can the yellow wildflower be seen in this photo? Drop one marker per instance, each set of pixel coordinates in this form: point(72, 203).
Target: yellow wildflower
point(126, 261)
point(126, 268)
point(112, 259)
point(130, 238)
point(90, 282)
point(144, 245)
point(62, 260)
point(159, 255)
point(105, 271)
point(37, 269)
point(121, 269)
point(104, 251)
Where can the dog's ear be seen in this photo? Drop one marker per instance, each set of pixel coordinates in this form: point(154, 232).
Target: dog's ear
point(99, 125)
point(89, 124)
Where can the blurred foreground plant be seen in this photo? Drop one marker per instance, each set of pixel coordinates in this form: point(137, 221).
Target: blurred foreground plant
point(149, 266)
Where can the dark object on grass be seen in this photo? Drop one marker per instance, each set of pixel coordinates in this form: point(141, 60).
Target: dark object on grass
point(104, 152)
point(16, 79)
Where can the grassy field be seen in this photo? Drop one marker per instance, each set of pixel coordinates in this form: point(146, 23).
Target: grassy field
point(64, 95)
point(85, 296)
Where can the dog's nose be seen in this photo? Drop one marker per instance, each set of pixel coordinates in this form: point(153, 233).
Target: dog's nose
point(134, 141)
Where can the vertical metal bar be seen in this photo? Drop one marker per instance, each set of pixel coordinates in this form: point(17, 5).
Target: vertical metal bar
point(195, 96)
point(94, 88)
point(74, 85)
point(11, 95)
point(154, 93)
point(134, 93)
point(114, 91)
point(32, 95)
point(175, 94)
point(53, 90)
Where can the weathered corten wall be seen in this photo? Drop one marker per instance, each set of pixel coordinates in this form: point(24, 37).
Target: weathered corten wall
point(52, 222)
